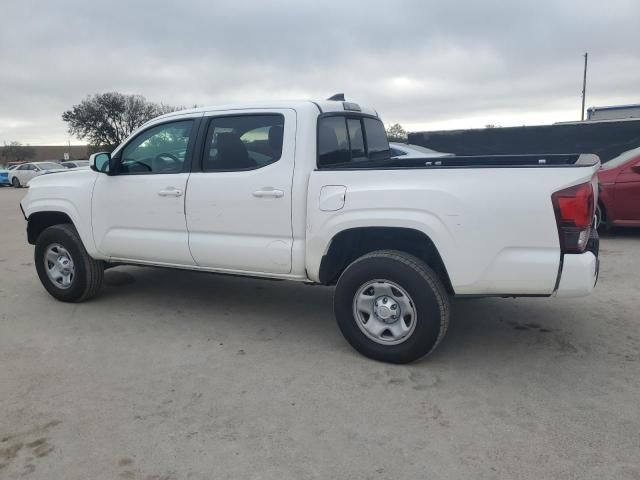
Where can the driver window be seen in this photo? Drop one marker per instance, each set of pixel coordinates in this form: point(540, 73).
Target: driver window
point(161, 149)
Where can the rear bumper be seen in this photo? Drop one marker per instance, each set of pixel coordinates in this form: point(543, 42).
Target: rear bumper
point(580, 271)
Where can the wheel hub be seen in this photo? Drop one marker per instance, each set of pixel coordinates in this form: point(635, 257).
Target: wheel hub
point(386, 309)
point(63, 263)
point(59, 266)
point(384, 312)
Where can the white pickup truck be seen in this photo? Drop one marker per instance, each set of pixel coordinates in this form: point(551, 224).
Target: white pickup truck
point(307, 191)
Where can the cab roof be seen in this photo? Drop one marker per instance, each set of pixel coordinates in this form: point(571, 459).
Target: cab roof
point(321, 106)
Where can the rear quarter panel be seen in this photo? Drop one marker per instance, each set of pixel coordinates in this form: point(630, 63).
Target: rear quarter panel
point(494, 228)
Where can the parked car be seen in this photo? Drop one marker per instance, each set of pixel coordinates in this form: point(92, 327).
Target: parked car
point(4, 177)
point(407, 150)
point(308, 191)
point(22, 174)
point(619, 197)
point(75, 164)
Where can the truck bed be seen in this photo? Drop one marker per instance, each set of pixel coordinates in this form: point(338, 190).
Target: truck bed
point(475, 161)
point(490, 217)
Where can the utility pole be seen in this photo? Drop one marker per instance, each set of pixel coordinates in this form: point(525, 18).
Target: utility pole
point(584, 83)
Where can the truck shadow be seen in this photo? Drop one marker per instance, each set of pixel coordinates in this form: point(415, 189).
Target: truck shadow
point(511, 330)
point(199, 298)
point(618, 232)
point(492, 329)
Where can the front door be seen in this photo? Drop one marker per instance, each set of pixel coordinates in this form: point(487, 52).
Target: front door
point(138, 210)
point(239, 197)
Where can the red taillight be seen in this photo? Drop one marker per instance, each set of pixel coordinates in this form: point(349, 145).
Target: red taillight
point(573, 207)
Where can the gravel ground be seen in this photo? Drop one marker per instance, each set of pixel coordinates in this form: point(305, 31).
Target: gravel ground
point(175, 375)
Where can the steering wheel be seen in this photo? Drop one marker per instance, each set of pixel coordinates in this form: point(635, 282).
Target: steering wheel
point(162, 157)
point(168, 155)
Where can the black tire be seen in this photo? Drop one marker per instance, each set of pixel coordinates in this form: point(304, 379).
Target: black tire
point(420, 282)
point(15, 181)
point(87, 279)
point(602, 225)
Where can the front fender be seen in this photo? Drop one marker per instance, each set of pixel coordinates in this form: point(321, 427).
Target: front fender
point(68, 193)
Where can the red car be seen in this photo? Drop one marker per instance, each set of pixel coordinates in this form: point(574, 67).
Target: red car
point(619, 197)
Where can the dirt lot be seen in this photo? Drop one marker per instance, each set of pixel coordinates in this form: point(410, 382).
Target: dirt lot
point(175, 375)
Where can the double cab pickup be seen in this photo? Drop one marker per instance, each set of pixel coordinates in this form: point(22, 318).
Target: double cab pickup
point(308, 191)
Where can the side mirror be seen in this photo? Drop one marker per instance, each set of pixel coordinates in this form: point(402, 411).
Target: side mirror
point(100, 162)
point(636, 167)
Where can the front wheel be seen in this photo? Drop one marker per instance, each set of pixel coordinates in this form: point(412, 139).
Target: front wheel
point(391, 306)
point(15, 182)
point(65, 268)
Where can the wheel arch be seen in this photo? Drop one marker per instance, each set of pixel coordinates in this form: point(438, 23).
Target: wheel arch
point(352, 243)
point(38, 222)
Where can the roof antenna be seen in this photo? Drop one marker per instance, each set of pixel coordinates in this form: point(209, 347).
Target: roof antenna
point(338, 97)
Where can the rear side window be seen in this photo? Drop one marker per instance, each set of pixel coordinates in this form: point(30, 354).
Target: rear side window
point(349, 141)
point(377, 143)
point(356, 138)
point(333, 141)
point(243, 142)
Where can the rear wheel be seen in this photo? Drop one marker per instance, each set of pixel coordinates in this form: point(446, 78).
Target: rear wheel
point(65, 268)
point(15, 182)
point(391, 306)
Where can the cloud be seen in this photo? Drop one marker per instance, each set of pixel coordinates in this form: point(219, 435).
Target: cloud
point(426, 64)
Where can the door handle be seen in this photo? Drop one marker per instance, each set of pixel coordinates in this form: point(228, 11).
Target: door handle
point(170, 192)
point(268, 192)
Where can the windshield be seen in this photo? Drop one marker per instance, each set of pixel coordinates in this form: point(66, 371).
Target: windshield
point(48, 166)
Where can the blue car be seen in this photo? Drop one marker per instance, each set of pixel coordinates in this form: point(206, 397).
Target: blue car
point(4, 177)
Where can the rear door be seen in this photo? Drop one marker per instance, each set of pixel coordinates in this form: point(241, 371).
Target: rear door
point(21, 173)
point(238, 201)
point(27, 172)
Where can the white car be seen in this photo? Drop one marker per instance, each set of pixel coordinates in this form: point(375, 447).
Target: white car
point(69, 164)
point(406, 150)
point(307, 191)
point(22, 174)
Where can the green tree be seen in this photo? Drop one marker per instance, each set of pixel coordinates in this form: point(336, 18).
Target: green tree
point(17, 152)
point(396, 133)
point(104, 120)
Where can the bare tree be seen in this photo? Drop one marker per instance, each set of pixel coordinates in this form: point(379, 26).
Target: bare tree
point(17, 152)
point(106, 119)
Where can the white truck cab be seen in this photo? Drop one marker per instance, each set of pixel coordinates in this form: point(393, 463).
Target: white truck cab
point(308, 191)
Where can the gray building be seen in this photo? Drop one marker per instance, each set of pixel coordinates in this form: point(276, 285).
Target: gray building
point(40, 153)
point(614, 112)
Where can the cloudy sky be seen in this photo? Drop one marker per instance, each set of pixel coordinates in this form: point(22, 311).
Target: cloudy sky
point(428, 64)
